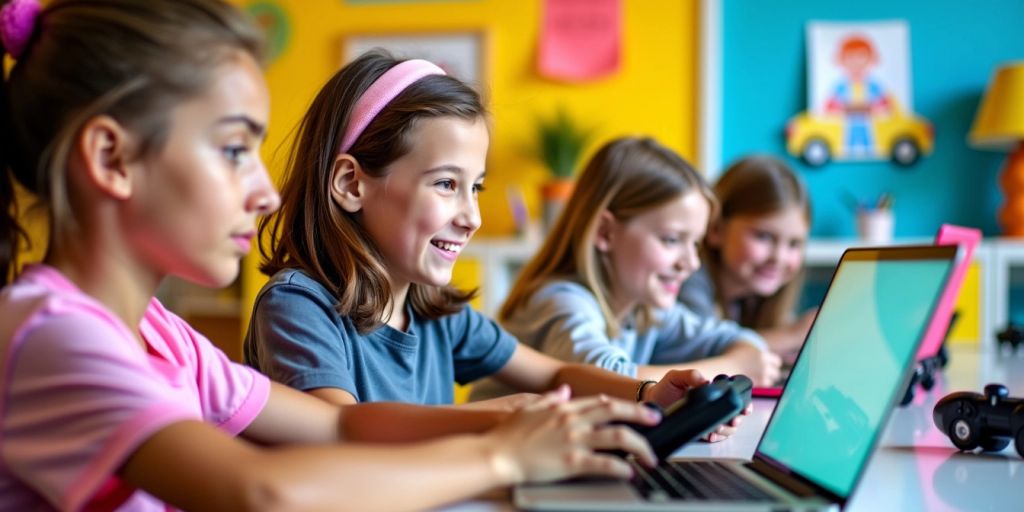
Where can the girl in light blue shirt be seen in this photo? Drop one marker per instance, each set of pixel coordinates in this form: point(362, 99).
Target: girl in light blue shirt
point(602, 289)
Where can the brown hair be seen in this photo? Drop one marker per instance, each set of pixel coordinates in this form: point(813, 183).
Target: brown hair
point(756, 186)
point(313, 233)
point(627, 177)
point(854, 44)
point(128, 59)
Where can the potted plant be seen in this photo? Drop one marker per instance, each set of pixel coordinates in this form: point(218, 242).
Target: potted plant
point(561, 143)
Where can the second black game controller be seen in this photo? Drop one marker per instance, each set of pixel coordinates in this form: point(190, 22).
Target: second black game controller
point(924, 374)
point(698, 413)
point(989, 420)
point(926, 369)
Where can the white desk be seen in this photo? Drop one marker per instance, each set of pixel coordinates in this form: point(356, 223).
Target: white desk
point(915, 467)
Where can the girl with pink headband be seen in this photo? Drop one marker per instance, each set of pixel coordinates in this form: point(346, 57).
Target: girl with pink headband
point(137, 124)
point(380, 196)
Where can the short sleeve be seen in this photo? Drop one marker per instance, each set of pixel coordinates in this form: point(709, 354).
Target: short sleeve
point(564, 321)
point(231, 395)
point(481, 347)
point(81, 397)
point(297, 338)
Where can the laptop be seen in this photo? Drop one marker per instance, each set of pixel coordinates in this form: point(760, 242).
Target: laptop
point(853, 366)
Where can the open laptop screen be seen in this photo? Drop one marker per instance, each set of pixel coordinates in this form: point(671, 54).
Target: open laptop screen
point(854, 363)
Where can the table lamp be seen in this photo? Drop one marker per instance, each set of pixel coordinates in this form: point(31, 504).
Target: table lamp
point(999, 125)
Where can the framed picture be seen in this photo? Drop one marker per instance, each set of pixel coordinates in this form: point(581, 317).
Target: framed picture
point(875, 55)
point(460, 54)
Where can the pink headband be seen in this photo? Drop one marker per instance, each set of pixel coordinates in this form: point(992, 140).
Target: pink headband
point(17, 22)
point(381, 92)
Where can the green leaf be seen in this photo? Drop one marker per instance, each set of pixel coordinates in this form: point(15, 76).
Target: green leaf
point(561, 144)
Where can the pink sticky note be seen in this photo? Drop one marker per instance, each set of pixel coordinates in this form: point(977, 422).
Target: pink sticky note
point(580, 39)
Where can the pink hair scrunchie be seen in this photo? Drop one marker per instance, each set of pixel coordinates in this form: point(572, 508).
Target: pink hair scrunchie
point(17, 22)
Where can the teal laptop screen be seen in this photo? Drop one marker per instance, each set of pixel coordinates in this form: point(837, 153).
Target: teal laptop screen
point(853, 364)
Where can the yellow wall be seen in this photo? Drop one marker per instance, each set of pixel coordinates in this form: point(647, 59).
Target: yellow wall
point(654, 92)
point(967, 328)
point(35, 222)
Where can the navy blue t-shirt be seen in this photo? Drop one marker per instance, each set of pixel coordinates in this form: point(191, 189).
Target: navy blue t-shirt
point(297, 338)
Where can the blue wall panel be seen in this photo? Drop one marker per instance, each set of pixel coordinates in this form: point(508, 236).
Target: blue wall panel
point(955, 46)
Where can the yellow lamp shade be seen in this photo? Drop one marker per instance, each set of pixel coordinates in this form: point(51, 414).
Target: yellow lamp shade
point(999, 123)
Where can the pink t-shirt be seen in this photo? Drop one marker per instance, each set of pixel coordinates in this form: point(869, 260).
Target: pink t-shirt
point(78, 394)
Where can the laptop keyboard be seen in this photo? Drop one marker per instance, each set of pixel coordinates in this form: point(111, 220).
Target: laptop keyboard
point(695, 480)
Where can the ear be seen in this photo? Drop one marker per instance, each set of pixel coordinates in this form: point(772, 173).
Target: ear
point(347, 184)
point(605, 232)
point(104, 147)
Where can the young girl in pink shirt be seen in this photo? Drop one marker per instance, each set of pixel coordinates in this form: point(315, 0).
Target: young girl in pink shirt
point(137, 123)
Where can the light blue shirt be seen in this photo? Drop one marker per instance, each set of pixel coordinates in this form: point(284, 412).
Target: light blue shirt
point(297, 338)
point(564, 320)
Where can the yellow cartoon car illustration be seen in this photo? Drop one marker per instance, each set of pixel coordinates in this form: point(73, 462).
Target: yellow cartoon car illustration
point(860, 114)
point(897, 135)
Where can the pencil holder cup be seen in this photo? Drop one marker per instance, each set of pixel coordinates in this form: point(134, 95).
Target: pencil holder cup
point(875, 226)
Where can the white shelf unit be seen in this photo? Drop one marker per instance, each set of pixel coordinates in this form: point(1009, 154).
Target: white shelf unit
point(1005, 257)
point(501, 259)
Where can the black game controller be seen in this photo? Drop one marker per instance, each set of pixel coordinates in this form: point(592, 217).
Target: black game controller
point(701, 411)
point(990, 421)
point(1012, 335)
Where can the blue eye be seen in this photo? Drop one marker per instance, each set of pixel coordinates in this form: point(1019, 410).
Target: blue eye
point(669, 240)
point(445, 184)
point(479, 187)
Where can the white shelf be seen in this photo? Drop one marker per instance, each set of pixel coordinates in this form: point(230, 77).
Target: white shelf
point(501, 259)
point(1004, 255)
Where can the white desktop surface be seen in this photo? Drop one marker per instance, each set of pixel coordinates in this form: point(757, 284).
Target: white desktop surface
point(915, 466)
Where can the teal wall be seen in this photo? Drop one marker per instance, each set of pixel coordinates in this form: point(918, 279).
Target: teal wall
point(955, 45)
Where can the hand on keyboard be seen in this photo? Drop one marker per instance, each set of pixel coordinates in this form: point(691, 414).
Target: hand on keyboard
point(556, 438)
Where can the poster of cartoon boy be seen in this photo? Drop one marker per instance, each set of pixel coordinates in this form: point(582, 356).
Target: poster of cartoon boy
point(858, 95)
point(859, 72)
